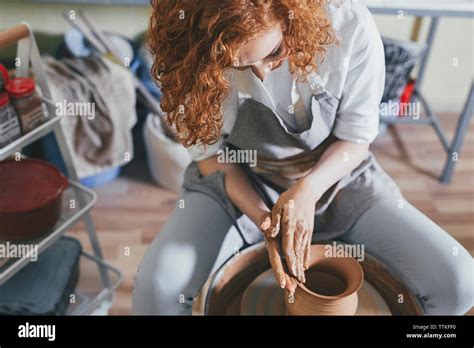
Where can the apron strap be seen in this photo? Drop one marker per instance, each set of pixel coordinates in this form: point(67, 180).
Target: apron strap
point(317, 87)
point(301, 118)
point(316, 83)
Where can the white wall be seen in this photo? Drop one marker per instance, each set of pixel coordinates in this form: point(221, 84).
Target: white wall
point(128, 20)
point(445, 85)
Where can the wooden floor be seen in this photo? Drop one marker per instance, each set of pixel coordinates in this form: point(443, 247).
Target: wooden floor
point(131, 210)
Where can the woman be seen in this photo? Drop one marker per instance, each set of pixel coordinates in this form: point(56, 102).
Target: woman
point(298, 84)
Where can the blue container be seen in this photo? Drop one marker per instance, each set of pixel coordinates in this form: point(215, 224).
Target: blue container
point(102, 178)
point(53, 155)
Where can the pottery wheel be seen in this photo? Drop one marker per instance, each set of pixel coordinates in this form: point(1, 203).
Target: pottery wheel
point(264, 297)
point(245, 285)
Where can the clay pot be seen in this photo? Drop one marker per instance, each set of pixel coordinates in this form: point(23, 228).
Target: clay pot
point(331, 286)
point(227, 288)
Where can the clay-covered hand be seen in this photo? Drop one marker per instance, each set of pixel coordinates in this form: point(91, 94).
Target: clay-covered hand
point(272, 244)
point(294, 212)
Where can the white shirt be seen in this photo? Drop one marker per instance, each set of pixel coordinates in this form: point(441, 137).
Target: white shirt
point(353, 70)
point(286, 94)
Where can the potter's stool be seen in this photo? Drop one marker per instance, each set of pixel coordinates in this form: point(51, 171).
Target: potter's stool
point(245, 286)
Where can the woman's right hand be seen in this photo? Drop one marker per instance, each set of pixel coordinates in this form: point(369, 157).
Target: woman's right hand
point(270, 230)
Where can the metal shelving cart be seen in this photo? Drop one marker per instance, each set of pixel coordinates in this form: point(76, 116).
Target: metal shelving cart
point(96, 291)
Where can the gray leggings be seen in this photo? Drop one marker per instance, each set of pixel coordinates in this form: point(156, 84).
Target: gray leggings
point(199, 237)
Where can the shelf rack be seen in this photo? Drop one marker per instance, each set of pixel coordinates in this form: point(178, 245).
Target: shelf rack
point(9, 267)
point(109, 278)
point(454, 9)
point(30, 137)
point(90, 293)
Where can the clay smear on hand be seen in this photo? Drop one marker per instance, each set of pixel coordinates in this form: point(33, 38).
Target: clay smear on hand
point(265, 225)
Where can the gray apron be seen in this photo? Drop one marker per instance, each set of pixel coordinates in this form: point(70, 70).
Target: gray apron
point(283, 156)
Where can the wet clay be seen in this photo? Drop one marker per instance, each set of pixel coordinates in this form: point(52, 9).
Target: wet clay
point(231, 282)
point(331, 286)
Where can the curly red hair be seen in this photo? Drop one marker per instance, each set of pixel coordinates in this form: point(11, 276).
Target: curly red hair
point(194, 41)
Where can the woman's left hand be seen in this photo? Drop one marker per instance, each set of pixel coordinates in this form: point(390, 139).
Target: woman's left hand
point(294, 213)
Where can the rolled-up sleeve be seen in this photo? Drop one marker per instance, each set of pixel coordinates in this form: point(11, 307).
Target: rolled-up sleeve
point(357, 118)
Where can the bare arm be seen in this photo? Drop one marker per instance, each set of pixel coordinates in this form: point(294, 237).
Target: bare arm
point(339, 159)
point(238, 187)
point(243, 195)
point(296, 206)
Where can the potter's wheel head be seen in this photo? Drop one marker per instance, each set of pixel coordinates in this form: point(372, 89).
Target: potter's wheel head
point(264, 297)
